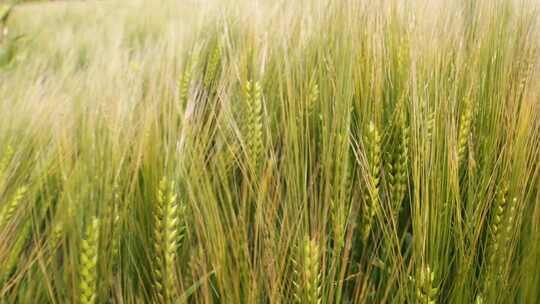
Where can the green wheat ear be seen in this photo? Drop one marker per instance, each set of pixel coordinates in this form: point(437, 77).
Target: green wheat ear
point(184, 83)
point(502, 227)
point(373, 153)
point(89, 258)
point(338, 205)
point(496, 225)
point(464, 129)
point(426, 292)
point(307, 274)
point(397, 169)
point(9, 210)
point(166, 239)
point(213, 66)
point(254, 139)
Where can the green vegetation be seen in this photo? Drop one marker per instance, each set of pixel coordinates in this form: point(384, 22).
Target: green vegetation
point(289, 152)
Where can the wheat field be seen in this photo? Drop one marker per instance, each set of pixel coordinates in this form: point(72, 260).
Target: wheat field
point(308, 151)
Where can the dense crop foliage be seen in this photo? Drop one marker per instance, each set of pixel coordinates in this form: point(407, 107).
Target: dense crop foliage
point(295, 152)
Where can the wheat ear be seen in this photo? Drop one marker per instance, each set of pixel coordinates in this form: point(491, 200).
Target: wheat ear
point(9, 210)
point(212, 67)
point(426, 291)
point(254, 122)
point(397, 169)
point(497, 238)
point(184, 83)
point(166, 237)
point(464, 129)
point(307, 274)
point(89, 259)
point(373, 153)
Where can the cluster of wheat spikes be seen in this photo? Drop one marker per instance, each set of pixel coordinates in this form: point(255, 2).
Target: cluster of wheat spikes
point(271, 152)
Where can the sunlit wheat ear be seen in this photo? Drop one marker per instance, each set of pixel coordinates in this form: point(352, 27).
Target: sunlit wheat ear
point(213, 66)
point(89, 259)
point(464, 129)
point(371, 204)
point(426, 290)
point(166, 237)
point(4, 161)
point(9, 210)
point(397, 169)
point(307, 273)
point(254, 140)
